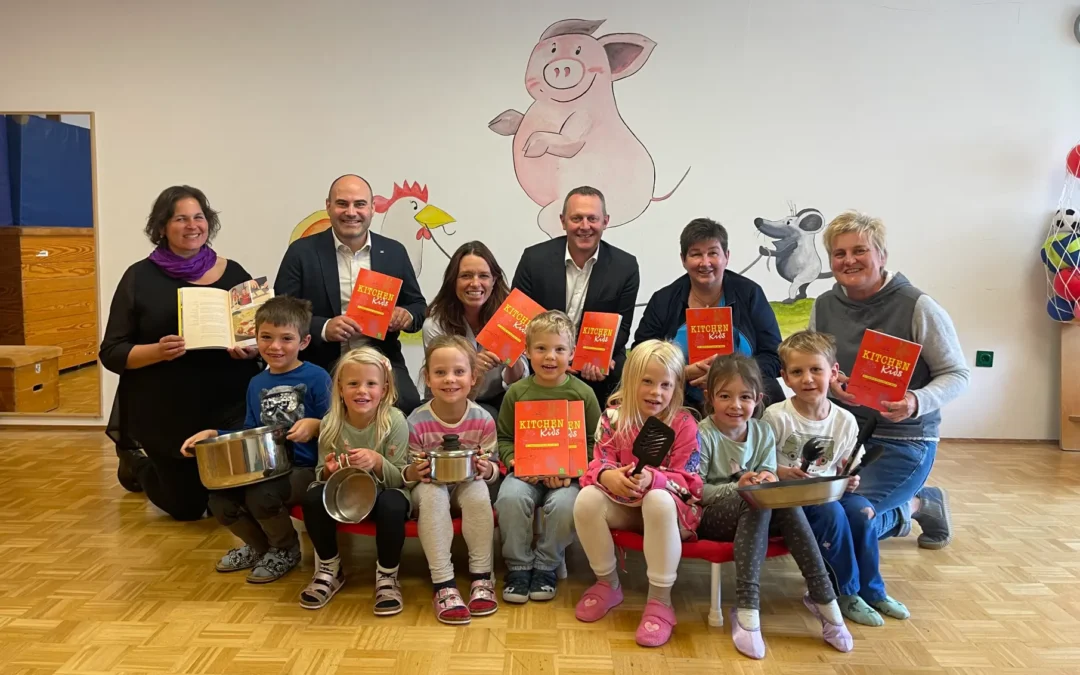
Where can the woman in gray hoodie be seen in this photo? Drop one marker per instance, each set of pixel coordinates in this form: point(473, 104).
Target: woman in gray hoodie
point(867, 296)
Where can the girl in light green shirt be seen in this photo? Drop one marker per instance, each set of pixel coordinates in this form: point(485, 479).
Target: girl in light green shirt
point(364, 426)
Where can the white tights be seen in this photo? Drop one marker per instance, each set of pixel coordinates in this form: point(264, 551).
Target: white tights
point(437, 532)
point(656, 517)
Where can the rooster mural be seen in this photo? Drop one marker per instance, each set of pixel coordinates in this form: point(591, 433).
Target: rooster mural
point(407, 218)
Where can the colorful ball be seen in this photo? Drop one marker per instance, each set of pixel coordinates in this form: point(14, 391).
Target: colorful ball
point(1072, 162)
point(1067, 284)
point(1061, 251)
point(1060, 309)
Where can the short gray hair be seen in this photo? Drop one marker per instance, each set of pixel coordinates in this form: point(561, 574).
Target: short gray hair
point(585, 191)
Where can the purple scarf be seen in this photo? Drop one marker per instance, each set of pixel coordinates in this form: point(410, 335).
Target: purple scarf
point(185, 269)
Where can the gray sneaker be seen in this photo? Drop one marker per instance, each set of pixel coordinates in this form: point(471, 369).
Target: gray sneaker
point(934, 518)
point(243, 558)
point(544, 585)
point(516, 586)
point(275, 564)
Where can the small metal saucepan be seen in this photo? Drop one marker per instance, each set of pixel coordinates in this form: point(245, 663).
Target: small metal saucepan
point(451, 463)
point(350, 493)
point(243, 458)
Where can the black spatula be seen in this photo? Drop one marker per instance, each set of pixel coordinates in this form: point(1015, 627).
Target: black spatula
point(811, 452)
point(652, 444)
point(871, 453)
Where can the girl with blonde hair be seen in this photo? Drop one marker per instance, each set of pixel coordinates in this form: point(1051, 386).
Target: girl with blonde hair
point(661, 502)
point(363, 425)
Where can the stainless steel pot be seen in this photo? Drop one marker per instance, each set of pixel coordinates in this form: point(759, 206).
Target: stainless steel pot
point(800, 492)
point(452, 466)
point(350, 493)
point(242, 458)
point(451, 463)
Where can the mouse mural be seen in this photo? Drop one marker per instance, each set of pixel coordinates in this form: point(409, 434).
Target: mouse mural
point(572, 134)
point(795, 250)
point(794, 255)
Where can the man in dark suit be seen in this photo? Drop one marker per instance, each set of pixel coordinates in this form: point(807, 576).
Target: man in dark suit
point(322, 269)
point(580, 273)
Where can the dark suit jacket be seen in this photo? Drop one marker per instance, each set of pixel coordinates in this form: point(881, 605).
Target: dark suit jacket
point(613, 288)
point(309, 271)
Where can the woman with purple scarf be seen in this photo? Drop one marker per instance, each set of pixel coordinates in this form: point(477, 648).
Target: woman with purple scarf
point(167, 394)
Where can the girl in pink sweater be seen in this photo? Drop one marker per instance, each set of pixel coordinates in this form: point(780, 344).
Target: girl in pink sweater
point(661, 503)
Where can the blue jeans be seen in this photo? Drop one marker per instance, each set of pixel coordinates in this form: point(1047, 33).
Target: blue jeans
point(849, 545)
point(516, 506)
point(888, 484)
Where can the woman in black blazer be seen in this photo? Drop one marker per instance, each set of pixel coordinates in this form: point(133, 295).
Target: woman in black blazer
point(703, 248)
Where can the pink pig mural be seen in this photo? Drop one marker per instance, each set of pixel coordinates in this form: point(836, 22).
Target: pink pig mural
point(572, 134)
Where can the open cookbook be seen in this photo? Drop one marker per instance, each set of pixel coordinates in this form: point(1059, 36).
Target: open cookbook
point(211, 318)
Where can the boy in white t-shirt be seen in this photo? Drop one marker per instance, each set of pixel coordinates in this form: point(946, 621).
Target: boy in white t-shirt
point(847, 537)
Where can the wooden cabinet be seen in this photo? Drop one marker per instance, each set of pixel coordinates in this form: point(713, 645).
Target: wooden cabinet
point(48, 290)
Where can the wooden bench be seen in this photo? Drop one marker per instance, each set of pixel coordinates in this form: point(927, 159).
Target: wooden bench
point(715, 552)
point(29, 378)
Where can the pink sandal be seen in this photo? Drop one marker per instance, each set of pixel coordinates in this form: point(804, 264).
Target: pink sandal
point(657, 622)
point(598, 600)
point(482, 600)
point(450, 608)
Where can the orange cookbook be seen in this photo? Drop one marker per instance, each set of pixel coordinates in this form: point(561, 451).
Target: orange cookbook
point(504, 334)
point(541, 445)
point(882, 369)
point(596, 340)
point(577, 438)
point(709, 333)
point(373, 300)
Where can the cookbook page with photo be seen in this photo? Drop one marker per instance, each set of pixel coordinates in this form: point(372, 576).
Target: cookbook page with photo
point(211, 318)
point(244, 301)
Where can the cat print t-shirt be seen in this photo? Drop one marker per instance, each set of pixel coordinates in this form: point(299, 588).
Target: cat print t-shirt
point(286, 398)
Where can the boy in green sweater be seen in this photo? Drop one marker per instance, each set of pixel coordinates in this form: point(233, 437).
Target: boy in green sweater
point(549, 344)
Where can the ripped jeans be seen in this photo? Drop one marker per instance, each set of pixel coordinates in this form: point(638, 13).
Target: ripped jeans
point(848, 540)
point(846, 533)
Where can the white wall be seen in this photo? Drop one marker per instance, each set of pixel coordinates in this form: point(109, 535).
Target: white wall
point(948, 119)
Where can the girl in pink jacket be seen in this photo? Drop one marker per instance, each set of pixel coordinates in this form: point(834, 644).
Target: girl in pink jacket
point(661, 503)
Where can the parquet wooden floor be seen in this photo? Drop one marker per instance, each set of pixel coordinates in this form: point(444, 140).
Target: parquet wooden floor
point(95, 580)
point(80, 391)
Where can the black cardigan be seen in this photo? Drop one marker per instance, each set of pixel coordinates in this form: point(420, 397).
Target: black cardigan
point(750, 313)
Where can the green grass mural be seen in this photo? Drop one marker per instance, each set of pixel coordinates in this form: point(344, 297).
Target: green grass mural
point(794, 317)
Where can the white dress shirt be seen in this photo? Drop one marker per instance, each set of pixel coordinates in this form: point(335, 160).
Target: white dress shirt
point(349, 265)
point(577, 285)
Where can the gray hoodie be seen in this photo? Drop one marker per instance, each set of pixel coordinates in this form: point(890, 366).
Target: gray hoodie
point(901, 310)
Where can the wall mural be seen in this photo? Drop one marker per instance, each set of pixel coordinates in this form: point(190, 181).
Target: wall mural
point(798, 262)
point(407, 217)
point(572, 134)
